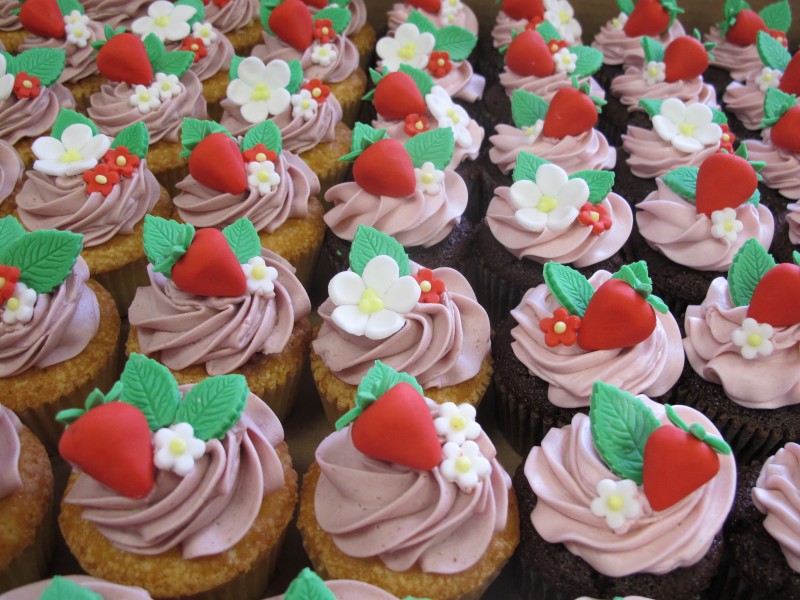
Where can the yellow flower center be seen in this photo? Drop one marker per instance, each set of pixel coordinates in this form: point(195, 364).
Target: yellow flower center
point(726, 138)
point(177, 446)
point(754, 340)
point(564, 17)
point(316, 92)
point(261, 157)
point(566, 59)
point(686, 129)
point(12, 304)
point(195, 47)
point(2, 281)
point(305, 103)
point(451, 112)
point(27, 84)
point(121, 161)
point(615, 502)
point(166, 86)
point(440, 62)
point(427, 178)
point(263, 177)
point(259, 272)
point(323, 51)
point(652, 71)
point(425, 286)
point(457, 423)
point(408, 51)
point(204, 32)
point(260, 92)
point(547, 203)
point(101, 179)
point(728, 226)
point(463, 464)
point(451, 18)
point(77, 33)
point(162, 21)
point(615, 21)
point(560, 327)
point(594, 215)
point(452, 2)
point(144, 96)
point(530, 131)
point(370, 302)
point(71, 155)
point(325, 31)
point(419, 126)
point(554, 48)
point(768, 77)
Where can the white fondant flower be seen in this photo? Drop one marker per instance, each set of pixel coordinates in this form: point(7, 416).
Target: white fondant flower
point(456, 423)
point(464, 465)
point(166, 86)
point(534, 131)
point(725, 225)
point(373, 304)
point(429, 178)
point(323, 54)
point(260, 277)
point(654, 72)
point(450, 10)
point(204, 31)
point(552, 201)
point(77, 151)
point(19, 308)
point(145, 98)
point(304, 105)
point(166, 20)
point(617, 501)
point(449, 114)
point(75, 25)
point(262, 176)
point(76, 18)
point(687, 128)
point(618, 22)
point(753, 338)
point(768, 78)
point(565, 61)
point(176, 449)
point(6, 80)
point(562, 16)
point(408, 46)
point(260, 90)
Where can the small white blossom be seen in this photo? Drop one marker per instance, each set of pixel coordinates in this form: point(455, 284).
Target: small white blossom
point(768, 78)
point(617, 501)
point(464, 465)
point(408, 46)
point(262, 176)
point(204, 31)
point(76, 27)
point(304, 105)
point(562, 16)
point(166, 20)
point(77, 151)
point(260, 89)
point(725, 225)
point(753, 338)
point(323, 54)
point(618, 22)
point(166, 86)
point(145, 99)
point(76, 18)
point(449, 114)
point(429, 179)
point(456, 423)
point(654, 72)
point(450, 10)
point(19, 308)
point(566, 61)
point(260, 277)
point(534, 131)
point(176, 449)
point(689, 128)
point(552, 201)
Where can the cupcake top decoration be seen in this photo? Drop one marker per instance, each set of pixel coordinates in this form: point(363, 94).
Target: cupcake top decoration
point(58, 19)
point(528, 10)
point(168, 21)
point(648, 17)
point(62, 588)
point(781, 70)
point(571, 112)
point(684, 58)
point(292, 23)
point(740, 24)
point(26, 73)
point(263, 90)
point(689, 127)
point(782, 115)
point(541, 51)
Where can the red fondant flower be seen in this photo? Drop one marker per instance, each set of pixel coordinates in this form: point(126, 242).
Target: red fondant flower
point(196, 45)
point(594, 216)
point(415, 124)
point(101, 179)
point(26, 86)
point(534, 23)
point(727, 139)
point(440, 64)
point(561, 328)
point(319, 91)
point(780, 36)
point(8, 280)
point(324, 32)
point(556, 45)
point(259, 153)
point(432, 288)
point(120, 159)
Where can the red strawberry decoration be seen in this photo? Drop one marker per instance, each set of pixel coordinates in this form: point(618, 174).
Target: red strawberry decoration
point(396, 96)
point(291, 21)
point(216, 162)
point(617, 316)
point(745, 30)
point(571, 112)
point(649, 17)
point(317, 3)
point(528, 55)
point(209, 267)
point(385, 169)
point(431, 6)
point(43, 18)
point(398, 428)
point(790, 80)
point(776, 298)
point(111, 443)
point(724, 180)
point(685, 58)
point(523, 9)
point(786, 132)
point(124, 58)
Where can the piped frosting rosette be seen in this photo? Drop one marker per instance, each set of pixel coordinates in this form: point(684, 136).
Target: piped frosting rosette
point(571, 143)
point(442, 13)
point(47, 312)
point(516, 16)
point(745, 336)
point(10, 428)
point(572, 331)
point(230, 15)
point(649, 502)
point(77, 587)
point(308, 584)
point(11, 169)
point(115, 12)
point(793, 217)
point(547, 215)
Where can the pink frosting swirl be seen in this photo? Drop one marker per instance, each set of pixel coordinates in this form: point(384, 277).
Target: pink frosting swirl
point(650, 156)
point(465, 18)
point(106, 589)
point(564, 472)
point(588, 151)
point(673, 227)
point(358, 15)
point(574, 245)
point(64, 322)
point(204, 513)
point(793, 217)
point(546, 87)
point(115, 12)
point(344, 65)
point(111, 110)
point(80, 62)
point(405, 516)
point(418, 220)
point(619, 49)
point(782, 170)
point(746, 101)
point(630, 87)
point(650, 367)
point(764, 382)
point(11, 169)
point(10, 428)
point(204, 207)
point(220, 333)
point(625, 598)
point(48, 202)
point(348, 589)
point(440, 344)
point(777, 495)
point(32, 117)
point(741, 61)
point(8, 20)
point(504, 26)
point(237, 14)
point(217, 59)
point(396, 131)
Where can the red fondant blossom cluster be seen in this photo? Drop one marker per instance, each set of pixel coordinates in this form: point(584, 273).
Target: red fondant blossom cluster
point(196, 45)
point(534, 23)
point(415, 124)
point(26, 86)
point(780, 36)
point(324, 32)
point(439, 64)
point(431, 288)
point(561, 328)
point(117, 163)
point(259, 153)
point(595, 216)
point(727, 139)
point(8, 281)
point(556, 45)
point(121, 160)
point(319, 91)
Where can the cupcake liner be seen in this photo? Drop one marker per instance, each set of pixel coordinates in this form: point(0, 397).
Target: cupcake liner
point(323, 159)
point(33, 563)
point(496, 295)
point(122, 283)
point(364, 40)
point(349, 93)
point(214, 90)
point(164, 160)
point(82, 90)
point(719, 78)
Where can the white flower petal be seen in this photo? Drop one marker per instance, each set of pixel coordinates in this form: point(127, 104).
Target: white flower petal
point(182, 12)
point(561, 217)
point(279, 100)
point(255, 112)
point(76, 136)
point(277, 74)
point(674, 110)
point(176, 31)
point(350, 319)
point(79, 166)
point(531, 219)
point(6, 86)
point(698, 114)
point(551, 178)
point(48, 148)
point(686, 144)
point(525, 194)
point(239, 92)
point(96, 147)
point(405, 33)
point(346, 288)
point(252, 71)
point(708, 134)
point(575, 193)
point(402, 295)
point(382, 324)
point(380, 273)
point(160, 8)
point(665, 128)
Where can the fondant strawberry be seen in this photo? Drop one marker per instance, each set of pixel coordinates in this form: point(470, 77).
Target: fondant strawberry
point(786, 132)
point(291, 21)
point(385, 169)
point(617, 316)
point(42, 18)
point(776, 298)
point(790, 80)
point(685, 58)
point(396, 96)
point(317, 3)
point(398, 428)
point(649, 17)
point(745, 30)
point(111, 443)
point(217, 162)
point(431, 6)
point(524, 9)
point(528, 55)
point(571, 112)
point(124, 58)
point(724, 180)
point(209, 267)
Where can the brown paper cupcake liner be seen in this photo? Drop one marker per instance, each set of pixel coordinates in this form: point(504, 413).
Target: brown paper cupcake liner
point(34, 562)
point(122, 283)
point(349, 93)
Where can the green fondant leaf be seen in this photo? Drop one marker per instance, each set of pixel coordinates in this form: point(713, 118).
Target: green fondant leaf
point(589, 60)
point(308, 586)
point(135, 138)
point(718, 117)
point(375, 75)
point(44, 258)
point(193, 131)
point(620, 424)
point(777, 16)
point(45, 63)
point(64, 589)
point(572, 290)
point(796, 257)
point(432, 146)
point(456, 41)
point(527, 108)
point(422, 23)
point(548, 31)
point(266, 133)
point(653, 50)
point(636, 276)
point(599, 182)
point(625, 6)
point(772, 52)
point(295, 77)
point(200, 11)
point(671, 6)
point(95, 398)
point(527, 165)
point(363, 137)
point(651, 107)
point(214, 405)
point(340, 17)
point(243, 239)
point(731, 9)
point(174, 63)
point(165, 242)
point(369, 243)
point(67, 6)
point(10, 231)
point(264, 11)
point(67, 117)
point(683, 181)
point(233, 70)
point(776, 103)
point(421, 78)
point(749, 265)
point(155, 49)
point(149, 386)
point(755, 199)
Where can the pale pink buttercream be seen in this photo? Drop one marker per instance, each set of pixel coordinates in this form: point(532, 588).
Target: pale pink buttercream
point(465, 18)
point(740, 61)
point(575, 245)
point(763, 382)
point(9, 21)
point(31, 117)
point(777, 495)
point(218, 57)
point(105, 589)
point(564, 472)
point(673, 227)
point(793, 217)
point(236, 14)
point(348, 589)
point(588, 151)
point(358, 15)
point(115, 12)
point(204, 513)
point(11, 169)
point(80, 62)
point(650, 156)
point(344, 65)
point(782, 169)
point(10, 428)
point(619, 49)
point(630, 87)
point(546, 87)
point(504, 26)
point(407, 517)
point(440, 344)
point(746, 101)
point(650, 367)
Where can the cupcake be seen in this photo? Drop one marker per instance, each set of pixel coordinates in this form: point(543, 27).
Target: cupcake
point(238, 20)
point(194, 502)
point(147, 84)
point(26, 503)
point(360, 32)
point(274, 189)
point(785, 244)
point(77, 587)
point(11, 31)
point(426, 322)
point(629, 499)
point(11, 169)
point(327, 54)
point(742, 343)
point(516, 15)
point(544, 216)
point(88, 183)
point(572, 331)
point(434, 518)
point(58, 330)
point(219, 303)
point(308, 584)
point(115, 13)
point(442, 13)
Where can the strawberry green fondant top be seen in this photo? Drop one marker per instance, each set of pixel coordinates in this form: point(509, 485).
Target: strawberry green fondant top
point(75, 587)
